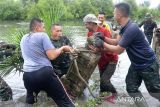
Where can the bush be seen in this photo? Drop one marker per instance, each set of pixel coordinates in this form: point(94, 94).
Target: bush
point(51, 11)
point(11, 11)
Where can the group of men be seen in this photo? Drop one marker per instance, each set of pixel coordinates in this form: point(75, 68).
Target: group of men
point(144, 65)
point(45, 61)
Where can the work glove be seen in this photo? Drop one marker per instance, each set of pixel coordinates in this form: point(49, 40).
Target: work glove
point(99, 43)
point(98, 40)
point(99, 35)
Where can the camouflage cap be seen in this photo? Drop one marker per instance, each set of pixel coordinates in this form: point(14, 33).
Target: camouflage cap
point(91, 18)
point(148, 16)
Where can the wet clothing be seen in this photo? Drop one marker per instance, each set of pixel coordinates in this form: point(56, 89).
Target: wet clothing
point(143, 61)
point(148, 29)
point(105, 75)
point(105, 56)
point(38, 71)
point(45, 79)
point(106, 64)
point(5, 91)
point(61, 63)
point(149, 75)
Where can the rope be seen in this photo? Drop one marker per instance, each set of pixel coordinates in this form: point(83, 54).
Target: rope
point(79, 75)
point(74, 63)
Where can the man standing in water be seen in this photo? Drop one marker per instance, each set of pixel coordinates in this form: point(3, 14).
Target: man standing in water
point(101, 17)
point(62, 62)
point(144, 65)
point(108, 61)
point(148, 25)
point(37, 51)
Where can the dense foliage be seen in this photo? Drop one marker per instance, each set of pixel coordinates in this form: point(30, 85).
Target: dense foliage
point(11, 11)
point(67, 9)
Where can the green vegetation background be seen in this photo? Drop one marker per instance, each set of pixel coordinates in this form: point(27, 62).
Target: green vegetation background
point(68, 9)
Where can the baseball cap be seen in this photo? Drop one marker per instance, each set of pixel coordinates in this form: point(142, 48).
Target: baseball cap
point(91, 18)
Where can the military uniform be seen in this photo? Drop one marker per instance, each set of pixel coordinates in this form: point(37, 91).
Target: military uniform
point(149, 25)
point(62, 62)
point(5, 51)
point(144, 65)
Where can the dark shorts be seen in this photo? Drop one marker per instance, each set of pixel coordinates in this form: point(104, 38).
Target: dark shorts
point(45, 79)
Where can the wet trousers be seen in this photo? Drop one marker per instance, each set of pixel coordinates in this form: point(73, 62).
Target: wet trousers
point(149, 38)
point(46, 80)
point(105, 76)
point(149, 75)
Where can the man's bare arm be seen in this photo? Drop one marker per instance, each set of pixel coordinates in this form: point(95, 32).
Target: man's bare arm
point(111, 48)
point(112, 41)
point(54, 53)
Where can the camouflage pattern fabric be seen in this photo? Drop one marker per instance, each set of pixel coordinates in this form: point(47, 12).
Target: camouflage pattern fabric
point(149, 75)
point(148, 29)
point(5, 51)
point(62, 62)
point(5, 91)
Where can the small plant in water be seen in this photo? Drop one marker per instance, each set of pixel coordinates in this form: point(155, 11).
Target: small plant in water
point(93, 102)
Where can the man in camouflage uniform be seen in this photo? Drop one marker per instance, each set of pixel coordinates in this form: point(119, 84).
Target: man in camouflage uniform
point(148, 25)
point(5, 51)
point(5, 91)
point(61, 63)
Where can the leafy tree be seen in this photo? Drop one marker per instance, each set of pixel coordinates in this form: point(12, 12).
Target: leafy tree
point(25, 2)
point(11, 11)
point(134, 8)
point(79, 8)
point(141, 12)
point(103, 5)
point(146, 3)
point(50, 11)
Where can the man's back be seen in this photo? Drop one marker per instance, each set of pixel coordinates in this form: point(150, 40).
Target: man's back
point(34, 47)
point(138, 49)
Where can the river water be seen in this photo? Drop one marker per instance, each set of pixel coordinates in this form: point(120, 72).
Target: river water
point(78, 38)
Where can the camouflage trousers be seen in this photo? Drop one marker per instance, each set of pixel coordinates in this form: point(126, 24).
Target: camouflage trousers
point(5, 91)
point(149, 38)
point(149, 75)
point(105, 76)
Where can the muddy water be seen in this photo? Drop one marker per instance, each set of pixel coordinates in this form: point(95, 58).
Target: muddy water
point(78, 38)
